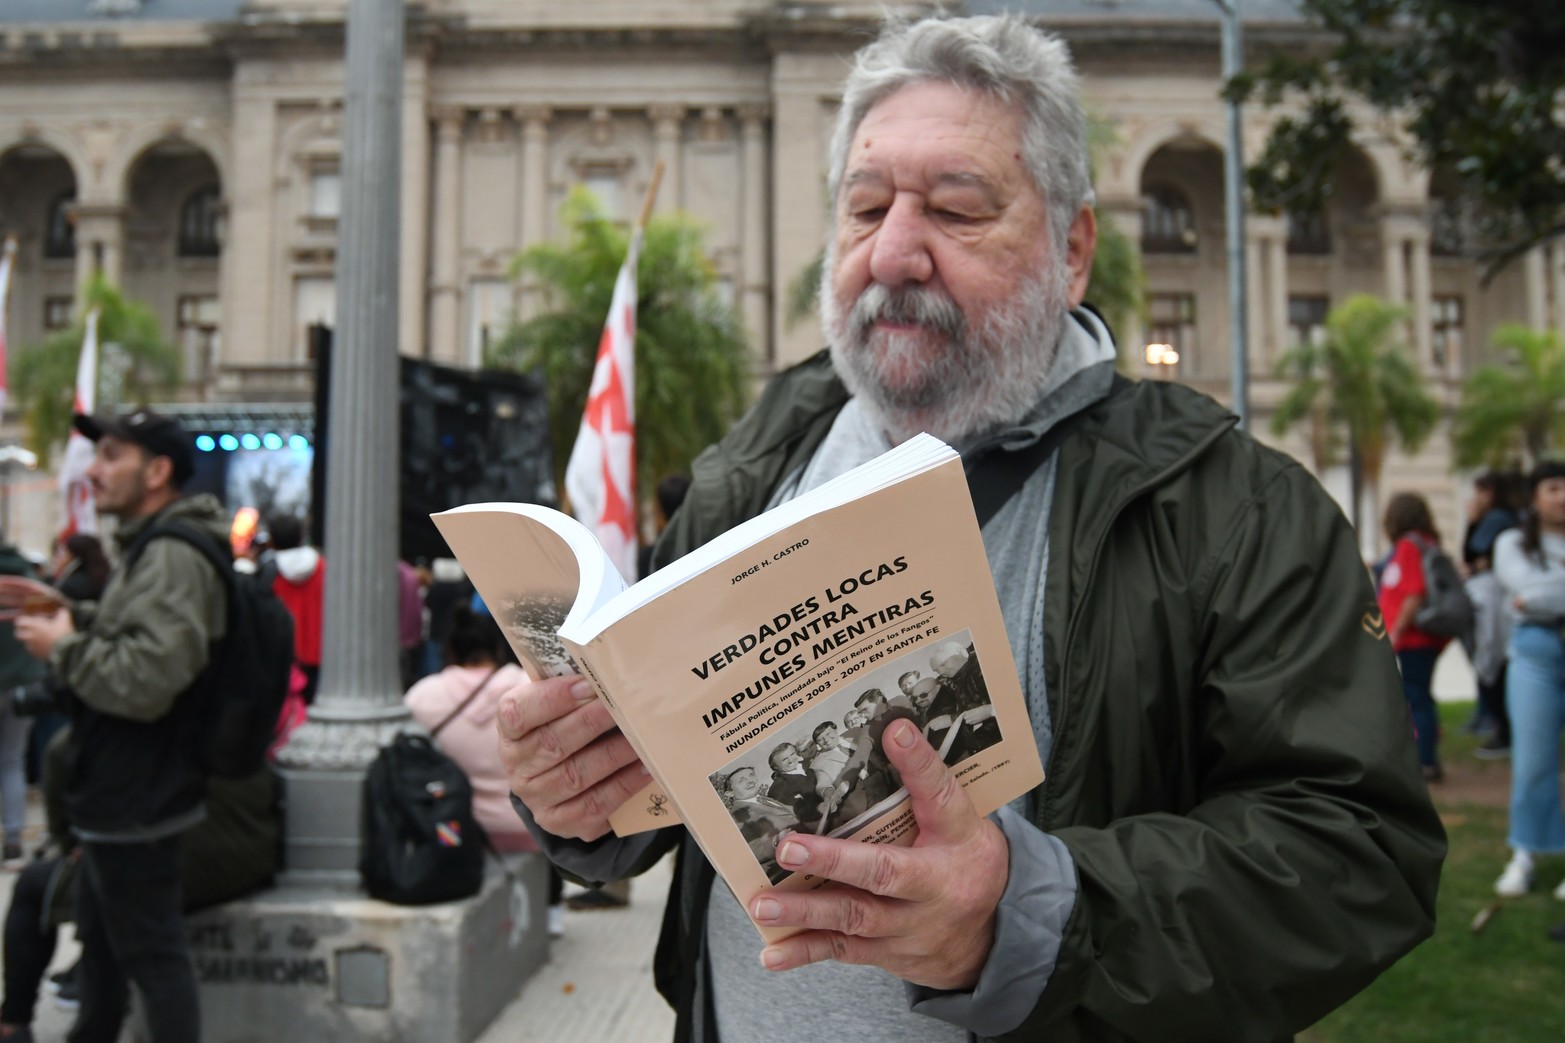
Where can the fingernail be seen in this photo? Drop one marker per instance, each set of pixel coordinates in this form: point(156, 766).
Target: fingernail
point(582, 692)
point(904, 735)
point(792, 855)
point(771, 959)
point(767, 909)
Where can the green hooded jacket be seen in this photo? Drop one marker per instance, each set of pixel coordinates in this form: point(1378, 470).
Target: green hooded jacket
point(1232, 767)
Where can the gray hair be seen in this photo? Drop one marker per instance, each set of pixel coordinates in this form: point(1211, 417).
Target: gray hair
point(1003, 57)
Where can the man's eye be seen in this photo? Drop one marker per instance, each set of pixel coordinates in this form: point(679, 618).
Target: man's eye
point(869, 213)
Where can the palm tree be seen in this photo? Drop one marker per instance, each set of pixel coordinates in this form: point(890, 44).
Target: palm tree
point(44, 374)
point(1357, 383)
point(692, 362)
point(1516, 406)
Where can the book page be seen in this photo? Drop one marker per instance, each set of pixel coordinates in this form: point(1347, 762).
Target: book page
point(759, 690)
point(536, 567)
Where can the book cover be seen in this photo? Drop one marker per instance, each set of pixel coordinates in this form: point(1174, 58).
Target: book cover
point(756, 676)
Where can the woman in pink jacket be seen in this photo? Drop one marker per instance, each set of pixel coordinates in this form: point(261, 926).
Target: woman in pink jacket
point(479, 668)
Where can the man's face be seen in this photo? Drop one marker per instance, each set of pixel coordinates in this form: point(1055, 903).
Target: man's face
point(119, 477)
point(854, 719)
point(787, 759)
point(742, 784)
point(944, 300)
point(922, 697)
point(827, 738)
point(907, 682)
point(875, 705)
point(948, 666)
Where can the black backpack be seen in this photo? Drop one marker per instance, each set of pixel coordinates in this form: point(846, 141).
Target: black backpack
point(421, 843)
point(247, 678)
point(1447, 611)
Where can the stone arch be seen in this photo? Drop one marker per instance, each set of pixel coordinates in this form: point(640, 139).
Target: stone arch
point(66, 145)
point(1149, 141)
point(142, 140)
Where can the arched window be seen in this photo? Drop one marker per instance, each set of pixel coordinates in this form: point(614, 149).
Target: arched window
point(1167, 222)
point(1308, 232)
point(59, 239)
point(198, 223)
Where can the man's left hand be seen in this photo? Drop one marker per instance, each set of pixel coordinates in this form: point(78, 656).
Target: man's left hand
point(39, 633)
point(924, 913)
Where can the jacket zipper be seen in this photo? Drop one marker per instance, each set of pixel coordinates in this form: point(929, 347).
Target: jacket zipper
point(1079, 609)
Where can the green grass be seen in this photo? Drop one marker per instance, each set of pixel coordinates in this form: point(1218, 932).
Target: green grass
point(1504, 985)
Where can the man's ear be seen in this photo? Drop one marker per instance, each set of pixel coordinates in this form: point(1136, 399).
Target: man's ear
point(159, 473)
point(1080, 245)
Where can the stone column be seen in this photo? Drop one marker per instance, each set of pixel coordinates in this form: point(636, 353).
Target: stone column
point(1537, 301)
point(100, 243)
point(668, 136)
point(359, 704)
point(1395, 245)
point(755, 286)
point(1267, 246)
point(534, 188)
point(1423, 326)
point(412, 338)
point(445, 291)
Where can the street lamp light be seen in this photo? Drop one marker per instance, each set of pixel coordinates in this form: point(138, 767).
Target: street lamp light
point(1163, 357)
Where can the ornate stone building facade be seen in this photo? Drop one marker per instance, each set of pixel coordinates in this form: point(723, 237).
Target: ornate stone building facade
point(190, 150)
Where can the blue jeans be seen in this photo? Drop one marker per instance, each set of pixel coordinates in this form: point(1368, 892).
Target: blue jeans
point(1418, 671)
point(1535, 697)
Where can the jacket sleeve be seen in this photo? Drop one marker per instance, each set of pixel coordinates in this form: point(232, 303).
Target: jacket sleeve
point(1307, 857)
point(153, 639)
point(1541, 588)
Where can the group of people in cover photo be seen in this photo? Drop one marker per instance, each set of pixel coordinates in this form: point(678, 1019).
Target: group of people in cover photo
point(828, 772)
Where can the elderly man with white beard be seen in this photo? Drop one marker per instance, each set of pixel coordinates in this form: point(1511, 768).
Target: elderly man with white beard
point(1233, 837)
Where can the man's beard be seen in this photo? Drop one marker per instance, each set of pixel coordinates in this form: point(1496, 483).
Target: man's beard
point(977, 378)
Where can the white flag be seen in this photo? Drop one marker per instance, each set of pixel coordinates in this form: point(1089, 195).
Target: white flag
point(601, 475)
point(81, 513)
point(5, 298)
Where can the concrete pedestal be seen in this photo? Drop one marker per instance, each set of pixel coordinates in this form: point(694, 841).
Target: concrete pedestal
point(300, 963)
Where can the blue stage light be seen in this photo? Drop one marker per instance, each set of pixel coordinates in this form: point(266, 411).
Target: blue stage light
point(249, 441)
point(272, 440)
point(228, 442)
point(298, 442)
point(206, 443)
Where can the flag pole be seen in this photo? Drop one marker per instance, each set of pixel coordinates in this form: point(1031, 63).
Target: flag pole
point(651, 197)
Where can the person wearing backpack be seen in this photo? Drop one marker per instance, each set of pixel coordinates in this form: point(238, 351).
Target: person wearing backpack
point(129, 668)
point(457, 705)
point(1404, 592)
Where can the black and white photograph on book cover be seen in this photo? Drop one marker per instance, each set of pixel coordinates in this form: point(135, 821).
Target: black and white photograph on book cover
point(827, 771)
point(533, 621)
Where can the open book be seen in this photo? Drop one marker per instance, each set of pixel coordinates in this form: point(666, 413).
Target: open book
point(756, 676)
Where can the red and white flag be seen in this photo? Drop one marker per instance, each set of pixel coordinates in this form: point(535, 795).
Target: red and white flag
point(81, 512)
point(6, 258)
point(600, 478)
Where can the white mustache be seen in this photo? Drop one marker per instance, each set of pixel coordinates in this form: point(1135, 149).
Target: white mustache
point(912, 305)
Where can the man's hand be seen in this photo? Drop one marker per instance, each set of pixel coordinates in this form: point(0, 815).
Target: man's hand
point(39, 633)
point(564, 757)
point(925, 913)
point(22, 596)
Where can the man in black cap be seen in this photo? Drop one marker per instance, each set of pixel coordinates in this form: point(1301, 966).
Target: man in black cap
point(130, 667)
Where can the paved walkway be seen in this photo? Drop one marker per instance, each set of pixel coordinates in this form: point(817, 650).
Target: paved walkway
point(597, 984)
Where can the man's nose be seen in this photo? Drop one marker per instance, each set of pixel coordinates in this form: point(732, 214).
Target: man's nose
point(901, 253)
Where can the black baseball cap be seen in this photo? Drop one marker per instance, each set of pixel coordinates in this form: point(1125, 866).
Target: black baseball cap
point(158, 434)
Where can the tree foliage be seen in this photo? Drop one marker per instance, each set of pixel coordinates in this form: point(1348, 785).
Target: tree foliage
point(692, 362)
point(1514, 407)
point(43, 375)
point(1475, 84)
point(1357, 387)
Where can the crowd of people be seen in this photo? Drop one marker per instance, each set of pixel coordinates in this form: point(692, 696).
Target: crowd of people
point(1513, 560)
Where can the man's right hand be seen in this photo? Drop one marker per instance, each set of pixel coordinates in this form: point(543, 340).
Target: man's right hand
point(565, 758)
